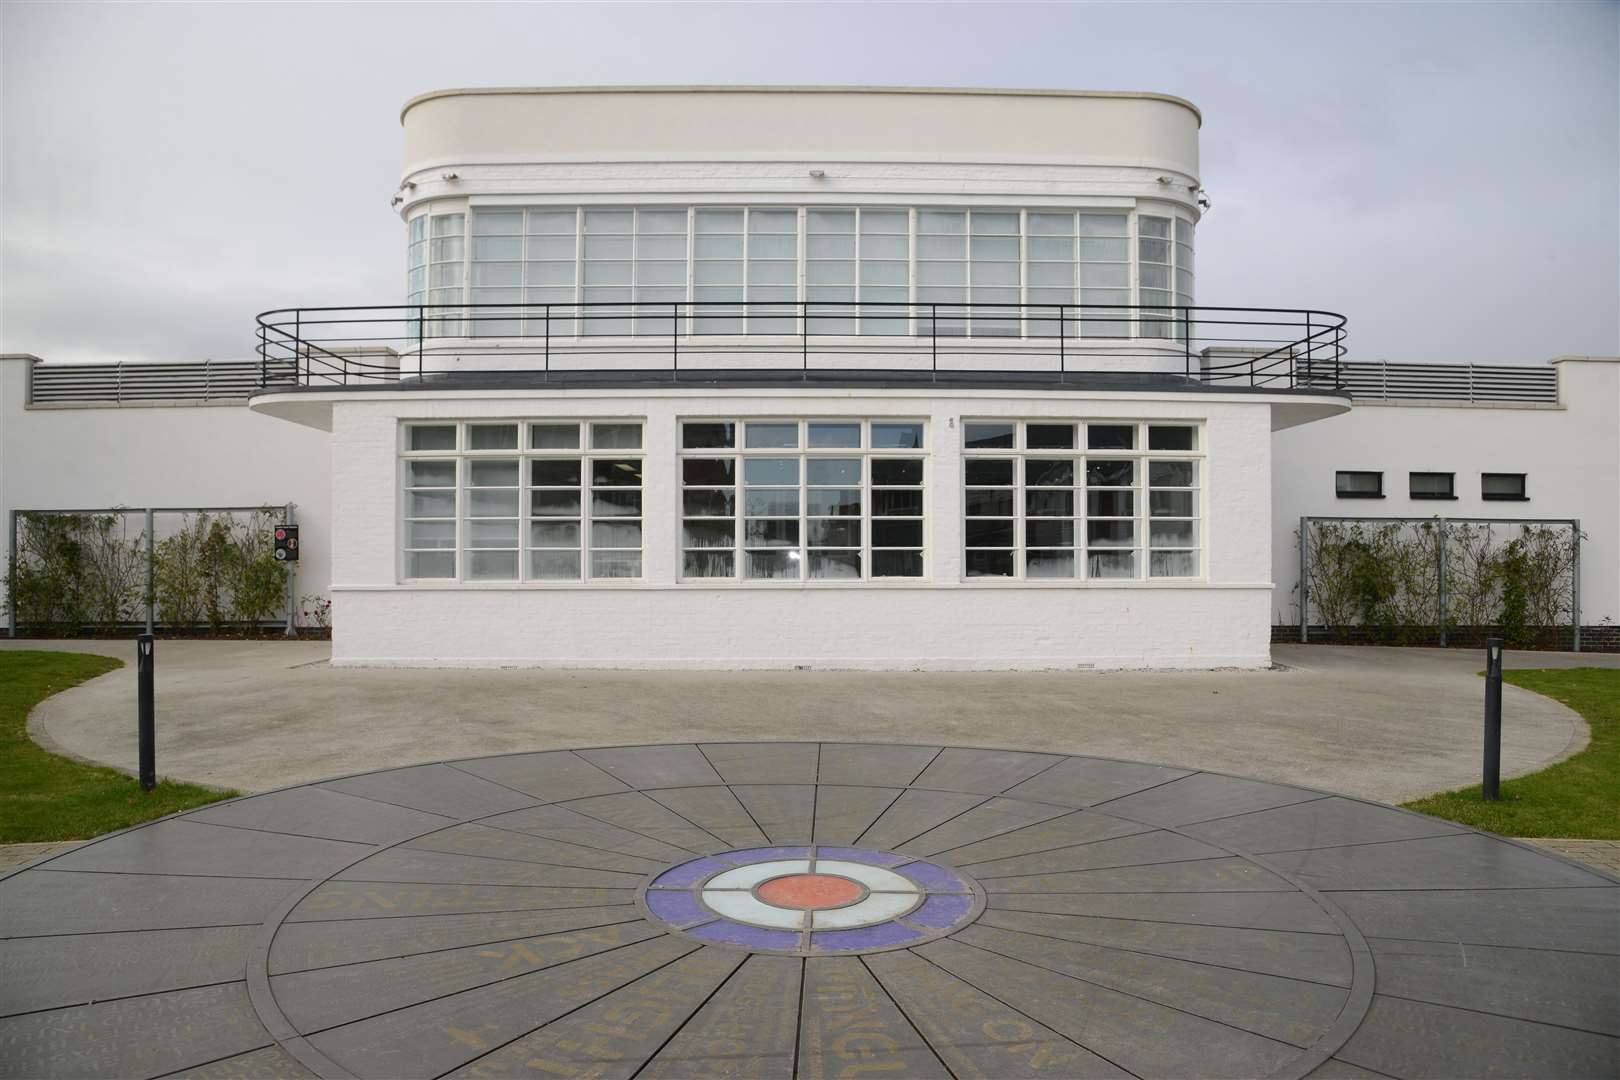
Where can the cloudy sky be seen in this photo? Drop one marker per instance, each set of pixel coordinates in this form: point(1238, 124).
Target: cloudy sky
point(1447, 175)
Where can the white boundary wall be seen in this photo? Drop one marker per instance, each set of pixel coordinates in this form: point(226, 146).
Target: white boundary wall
point(943, 623)
point(189, 453)
point(1570, 454)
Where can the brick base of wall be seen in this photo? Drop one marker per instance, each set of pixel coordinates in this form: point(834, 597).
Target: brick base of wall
point(1605, 639)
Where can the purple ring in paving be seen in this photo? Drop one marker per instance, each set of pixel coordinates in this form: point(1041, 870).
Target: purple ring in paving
point(904, 901)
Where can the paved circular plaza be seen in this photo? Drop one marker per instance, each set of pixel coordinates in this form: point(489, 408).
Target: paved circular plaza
point(801, 909)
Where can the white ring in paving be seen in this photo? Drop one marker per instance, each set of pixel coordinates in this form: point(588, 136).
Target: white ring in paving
point(889, 895)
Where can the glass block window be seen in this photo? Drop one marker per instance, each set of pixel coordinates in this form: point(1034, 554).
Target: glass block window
point(507, 500)
point(1059, 499)
point(801, 500)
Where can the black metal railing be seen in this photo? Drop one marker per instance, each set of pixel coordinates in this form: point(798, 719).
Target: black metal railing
point(1264, 348)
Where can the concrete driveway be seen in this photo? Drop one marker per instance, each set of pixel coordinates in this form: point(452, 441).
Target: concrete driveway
point(1384, 724)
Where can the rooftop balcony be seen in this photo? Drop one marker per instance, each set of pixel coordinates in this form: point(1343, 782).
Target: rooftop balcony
point(774, 343)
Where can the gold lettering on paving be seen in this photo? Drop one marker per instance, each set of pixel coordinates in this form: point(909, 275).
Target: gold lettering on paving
point(849, 1021)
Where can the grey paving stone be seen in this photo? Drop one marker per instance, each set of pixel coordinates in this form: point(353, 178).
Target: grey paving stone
point(677, 765)
point(432, 1038)
point(844, 813)
point(561, 823)
point(990, 818)
point(299, 946)
point(554, 776)
point(1460, 861)
point(1581, 920)
point(1313, 957)
point(47, 901)
point(1085, 781)
point(1258, 911)
point(611, 1038)
point(1334, 1069)
point(318, 812)
point(437, 789)
point(747, 1031)
point(142, 1036)
point(183, 846)
point(785, 813)
point(269, 1063)
point(1319, 823)
point(914, 813)
point(1203, 797)
point(1208, 875)
point(481, 840)
point(352, 900)
point(1137, 849)
point(53, 972)
point(1140, 1036)
point(327, 997)
point(1579, 990)
point(850, 1027)
point(1410, 1038)
point(763, 763)
point(411, 866)
point(717, 811)
point(975, 1034)
point(1066, 830)
point(664, 818)
point(1287, 1010)
point(988, 772)
point(873, 764)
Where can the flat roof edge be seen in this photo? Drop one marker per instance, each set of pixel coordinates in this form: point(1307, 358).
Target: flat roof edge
point(973, 91)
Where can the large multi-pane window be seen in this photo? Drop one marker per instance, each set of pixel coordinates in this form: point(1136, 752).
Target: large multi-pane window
point(794, 500)
point(1100, 500)
point(506, 500)
point(861, 268)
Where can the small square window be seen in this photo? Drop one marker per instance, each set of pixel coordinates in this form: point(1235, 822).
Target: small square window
point(1433, 485)
point(1358, 485)
point(1503, 487)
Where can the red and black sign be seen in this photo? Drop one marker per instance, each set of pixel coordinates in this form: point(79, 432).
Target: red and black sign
point(286, 543)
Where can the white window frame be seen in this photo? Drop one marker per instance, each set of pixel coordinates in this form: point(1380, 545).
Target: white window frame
point(804, 453)
point(461, 455)
point(1020, 454)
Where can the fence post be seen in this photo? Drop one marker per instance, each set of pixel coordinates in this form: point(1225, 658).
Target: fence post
point(151, 594)
point(11, 574)
point(145, 732)
point(1440, 591)
point(1304, 581)
point(1575, 588)
point(1490, 781)
point(292, 573)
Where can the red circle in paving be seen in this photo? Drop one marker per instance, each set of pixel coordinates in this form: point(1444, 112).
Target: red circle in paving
point(809, 891)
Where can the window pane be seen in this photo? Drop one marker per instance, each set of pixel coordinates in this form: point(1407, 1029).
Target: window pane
point(430, 473)
point(1118, 503)
point(987, 436)
point(1359, 483)
point(835, 565)
point(1172, 534)
point(897, 564)
point(1049, 564)
point(839, 502)
point(1048, 503)
point(771, 470)
point(496, 533)
point(835, 435)
point(616, 473)
point(492, 565)
point(771, 502)
point(708, 564)
point(554, 565)
point(1111, 436)
point(1057, 532)
point(1502, 485)
point(1171, 438)
point(989, 564)
point(773, 564)
point(708, 503)
point(430, 564)
point(720, 472)
point(770, 532)
point(616, 436)
point(554, 534)
point(430, 534)
point(437, 437)
point(554, 503)
point(885, 503)
point(616, 503)
point(1172, 473)
point(988, 532)
point(1042, 473)
point(431, 504)
point(554, 436)
point(992, 502)
point(492, 437)
point(1165, 503)
point(1111, 564)
point(1050, 436)
point(897, 470)
point(616, 534)
point(834, 532)
point(705, 436)
point(989, 471)
point(708, 534)
point(1173, 564)
point(1110, 473)
point(897, 436)
point(768, 436)
point(833, 471)
point(498, 502)
point(492, 473)
point(1111, 533)
point(615, 564)
point(559, 472)
point(897, 532)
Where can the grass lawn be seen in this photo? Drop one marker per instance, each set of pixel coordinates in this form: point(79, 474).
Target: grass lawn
point(45, 797)
point(1577, 798)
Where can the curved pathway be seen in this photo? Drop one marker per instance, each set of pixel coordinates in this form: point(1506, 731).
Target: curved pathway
point(806, 909)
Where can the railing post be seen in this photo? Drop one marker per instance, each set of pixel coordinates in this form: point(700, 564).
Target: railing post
point(1575, 587)
point(262, 359)
point(674, 341)
point(1304, 581)
point(292, 574)
point(1491, 780)
point(1186, 344)
point(1440, 591)
point(421, 331)
point(146, 733)
point(804, 338)
point(1293, 383)
point(933, 334)
point(151, 591)
point(1063, 351)
point(548, 343)
point(298, 339)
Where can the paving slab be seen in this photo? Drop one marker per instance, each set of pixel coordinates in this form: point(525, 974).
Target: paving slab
point(954, 912)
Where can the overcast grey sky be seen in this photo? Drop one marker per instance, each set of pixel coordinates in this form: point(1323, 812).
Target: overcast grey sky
point(1447, 175)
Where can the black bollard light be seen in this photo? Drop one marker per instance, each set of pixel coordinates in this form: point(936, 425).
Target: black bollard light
point(1490, 783)
point(143, 710)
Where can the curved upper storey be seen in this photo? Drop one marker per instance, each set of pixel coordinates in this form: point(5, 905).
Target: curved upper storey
point(863, 141)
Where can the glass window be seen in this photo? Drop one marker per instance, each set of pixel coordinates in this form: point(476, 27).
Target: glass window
point(773, 271)
point(1050, 271)
point(1503, 487)
point(885, 271)
point(1105, 275)
point(830, 270)
point(1432, 485)
point(445, 273)
point(820, 500)
point(550, 512)
point(1350, 484)
point(1039, 506)
point(551, 256)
